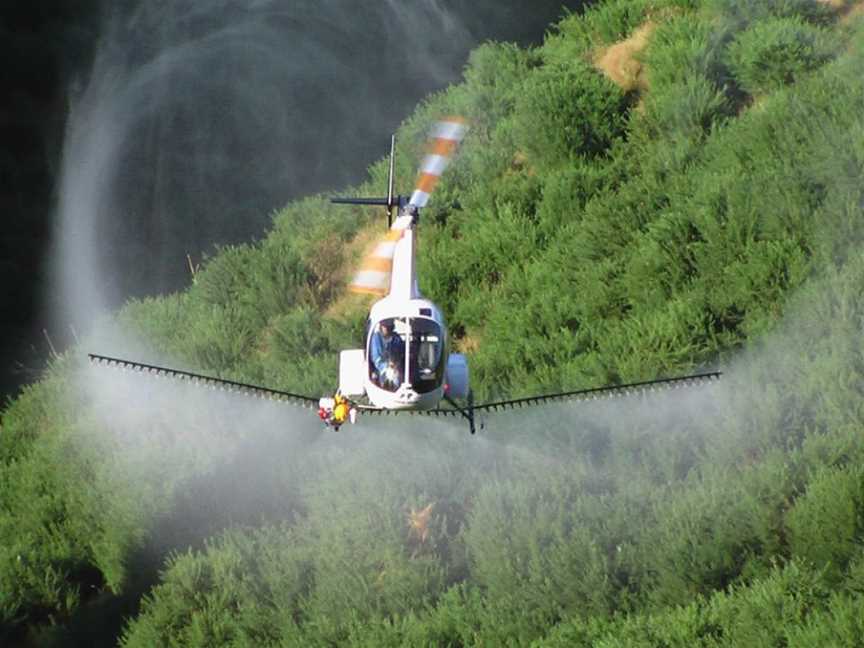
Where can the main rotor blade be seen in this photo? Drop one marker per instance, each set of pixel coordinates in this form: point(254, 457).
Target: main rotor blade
point(374, 274)
point(445, 137)
point(206, 381)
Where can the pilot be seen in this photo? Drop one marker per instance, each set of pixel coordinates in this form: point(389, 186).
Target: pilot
point(388, 353)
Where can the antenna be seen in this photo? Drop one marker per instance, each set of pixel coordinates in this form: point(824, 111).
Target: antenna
point(391, 200)
point(390, 181)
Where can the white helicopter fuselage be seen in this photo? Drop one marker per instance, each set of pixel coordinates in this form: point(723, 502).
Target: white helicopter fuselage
point(418, 374)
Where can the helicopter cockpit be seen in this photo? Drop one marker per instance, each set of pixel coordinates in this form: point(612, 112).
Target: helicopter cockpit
point(423, 364)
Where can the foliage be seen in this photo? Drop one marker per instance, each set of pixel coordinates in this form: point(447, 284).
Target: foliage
point(689, 82)
point(794, 606)
point(826, 525)
point(812, 11)
point(582, 236)
point(775, 52)
point(568, 112)
point(607, 22)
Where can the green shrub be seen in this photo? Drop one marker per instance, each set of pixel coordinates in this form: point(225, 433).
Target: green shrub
point(299, 351)
point(164, 321)
point(689, 91)
point(690, 108)
point(681, 48)
point(566, 112)
point(225, 278)
point(838, 623)
point(707, 532)
point(218, 337)
point(792, 605)
point(493, 76)
point(537, 548)
point(745, 13)
point(776, 52)
point(826, 525)
point(233, 594)
point(765, 612)
point(612, 20)
point(670, 336)
point(564, 195)
point(46, 561)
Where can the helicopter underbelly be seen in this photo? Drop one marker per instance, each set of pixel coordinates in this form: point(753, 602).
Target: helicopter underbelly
point(403, 398)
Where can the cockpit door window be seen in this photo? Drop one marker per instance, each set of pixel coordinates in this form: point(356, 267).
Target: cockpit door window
point(386, 353)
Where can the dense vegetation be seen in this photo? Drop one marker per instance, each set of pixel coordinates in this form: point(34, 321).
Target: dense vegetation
point(586, 234)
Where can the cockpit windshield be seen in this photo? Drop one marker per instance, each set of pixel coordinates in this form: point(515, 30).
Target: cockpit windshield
point(427, 350)
point(388, 363)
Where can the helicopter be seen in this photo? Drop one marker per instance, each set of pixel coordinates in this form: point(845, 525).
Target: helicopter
point(405, 364)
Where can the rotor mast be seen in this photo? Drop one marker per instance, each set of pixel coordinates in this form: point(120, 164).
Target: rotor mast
point(390, 182)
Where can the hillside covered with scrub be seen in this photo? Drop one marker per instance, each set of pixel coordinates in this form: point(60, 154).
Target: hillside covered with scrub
point(663, 186)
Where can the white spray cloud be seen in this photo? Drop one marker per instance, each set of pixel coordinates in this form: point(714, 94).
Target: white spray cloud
point(199, 119)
